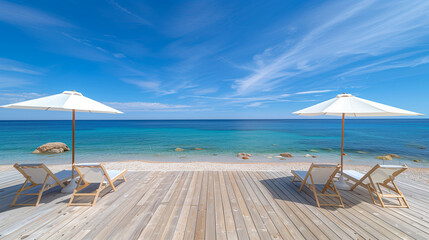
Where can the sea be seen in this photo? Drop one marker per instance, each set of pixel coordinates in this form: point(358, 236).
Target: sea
point(219, 140)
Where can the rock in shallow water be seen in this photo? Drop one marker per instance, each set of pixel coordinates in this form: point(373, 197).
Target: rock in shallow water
point(179, 149)
point(243, 154)
point(286, 155)
point(307, 155)
point(52, 147)
point(384, 157)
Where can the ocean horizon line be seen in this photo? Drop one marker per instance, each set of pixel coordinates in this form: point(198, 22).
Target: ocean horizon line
point(224, 119)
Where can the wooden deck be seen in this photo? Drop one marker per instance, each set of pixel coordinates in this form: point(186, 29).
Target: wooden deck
point(211, 205)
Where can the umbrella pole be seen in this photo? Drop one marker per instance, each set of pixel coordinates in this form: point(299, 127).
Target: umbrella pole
point(342, 146)
point(341, 184)
point(73, 143)
point(72, 185)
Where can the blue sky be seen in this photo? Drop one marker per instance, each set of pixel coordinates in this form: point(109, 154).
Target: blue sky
point(213, 59)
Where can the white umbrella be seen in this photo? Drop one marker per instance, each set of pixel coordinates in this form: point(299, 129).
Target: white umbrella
point(349, 105)
point(66, 101)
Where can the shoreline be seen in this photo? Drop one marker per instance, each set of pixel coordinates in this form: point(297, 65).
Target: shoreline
point(413, 173)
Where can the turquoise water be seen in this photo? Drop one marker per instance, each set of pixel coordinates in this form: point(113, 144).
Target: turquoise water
point(221, 140)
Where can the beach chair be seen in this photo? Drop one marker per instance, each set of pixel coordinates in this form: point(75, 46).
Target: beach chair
point(94, 173)
point(379, 176)
point(320, 174)
point(38, 174)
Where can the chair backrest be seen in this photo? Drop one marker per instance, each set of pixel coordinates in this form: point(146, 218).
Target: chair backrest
point(91, 172)
point(36, 172)
point(382, 173)
point(321, 173)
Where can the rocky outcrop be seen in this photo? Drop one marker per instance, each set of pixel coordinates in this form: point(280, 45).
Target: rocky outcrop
point(198, 149)
point(244, 155)
point(286, 155)
point(52, 147)
point(393, 155)
point(179, 149)
point(384, 157)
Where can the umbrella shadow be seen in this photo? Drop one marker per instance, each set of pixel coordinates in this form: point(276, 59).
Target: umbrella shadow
point(7, 194)
point(91, 189)
point(51, 196)
point(282, 188)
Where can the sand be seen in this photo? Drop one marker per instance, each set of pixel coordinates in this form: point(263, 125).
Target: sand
point(413, 174)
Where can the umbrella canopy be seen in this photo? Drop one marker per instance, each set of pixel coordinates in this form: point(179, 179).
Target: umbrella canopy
point(352, 106)
point(66, 101)
point(349, 105)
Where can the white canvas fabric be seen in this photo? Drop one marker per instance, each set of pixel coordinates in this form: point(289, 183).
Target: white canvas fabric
point(354, 107)
point(38, 174)
point(380, 175)
point(66, 101)
point(91, 174)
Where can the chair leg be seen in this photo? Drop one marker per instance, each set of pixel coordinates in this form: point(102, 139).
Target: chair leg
point(42, 189)
point(75, 191)
point(97, 192)
point(19, 192)
point(400, 193)
point(313, 188)
point(370, 193)
point(124, 178)
point(293, 178)
point(338, 194)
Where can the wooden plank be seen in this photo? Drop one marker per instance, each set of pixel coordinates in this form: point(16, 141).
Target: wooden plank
point(171, 224)
point(285, 220)
point(240, 225)
point(180, 229)
point(327, 216)
point(200, 228)
point(261, 225)
point(163, 209)
point(305, 225)
point(191, 221)
point(227, 210)
point(250, 226)
point(220, 217)
point(275, 227)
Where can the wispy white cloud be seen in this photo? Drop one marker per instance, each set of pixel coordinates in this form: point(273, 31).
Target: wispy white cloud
point(7, 97)
point(147, 106)
point(28, 17)
point(151, 86)
point(255, 104)
point(386, 64)
point(205, 91)
point(119, 55)
point(313, 92)
point(13, 82)
point(18, 67)
point(359, 31)
point(128, 12)
point(192, 16)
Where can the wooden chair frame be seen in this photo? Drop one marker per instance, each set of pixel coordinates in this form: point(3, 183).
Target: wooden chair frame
point(33, 184)
point(100, 186)
point(328, 185)
point(375, 188)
